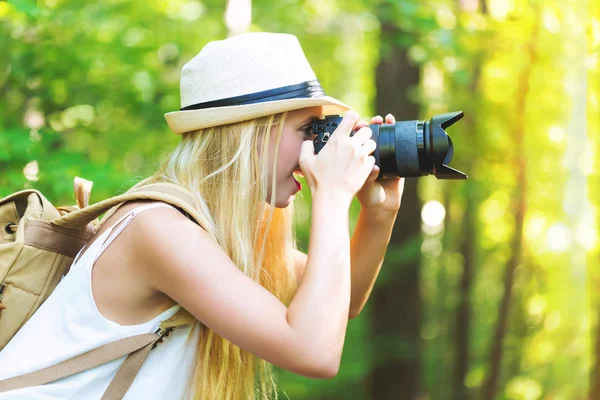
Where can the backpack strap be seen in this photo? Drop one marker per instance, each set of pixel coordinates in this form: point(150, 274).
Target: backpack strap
point(83, 189)
point(132, 364)
point(138, 347)
point(171, 193)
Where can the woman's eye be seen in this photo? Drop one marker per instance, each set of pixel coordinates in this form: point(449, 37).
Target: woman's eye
point(307, 131)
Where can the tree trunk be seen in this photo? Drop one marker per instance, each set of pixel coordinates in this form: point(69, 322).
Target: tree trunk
point(463, 312)
point(595, 372)
point(467, 248)
point(396, 316)
point(490, 387)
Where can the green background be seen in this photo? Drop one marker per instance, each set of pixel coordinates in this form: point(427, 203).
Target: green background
point(508, 260)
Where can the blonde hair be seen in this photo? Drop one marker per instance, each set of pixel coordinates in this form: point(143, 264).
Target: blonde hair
point(224, 169)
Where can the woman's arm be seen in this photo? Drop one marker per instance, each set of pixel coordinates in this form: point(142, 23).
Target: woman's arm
point(182, 261)
point(380, 202)
point(367, 248)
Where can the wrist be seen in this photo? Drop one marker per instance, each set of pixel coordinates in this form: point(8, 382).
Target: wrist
point(378, 215)
point(332, 198)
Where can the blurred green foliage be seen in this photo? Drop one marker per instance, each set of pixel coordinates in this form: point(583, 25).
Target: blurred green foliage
point(84, 86)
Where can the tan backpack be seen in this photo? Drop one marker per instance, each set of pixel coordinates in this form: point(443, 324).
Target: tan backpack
point(38, 243)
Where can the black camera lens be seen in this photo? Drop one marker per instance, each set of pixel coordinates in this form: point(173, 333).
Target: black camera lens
point(406, 148)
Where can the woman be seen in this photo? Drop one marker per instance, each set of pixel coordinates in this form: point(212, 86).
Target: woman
point(247, 104)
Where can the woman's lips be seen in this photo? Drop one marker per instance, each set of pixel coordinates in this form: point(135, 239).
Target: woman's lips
point(297, 172)
point(298, 184)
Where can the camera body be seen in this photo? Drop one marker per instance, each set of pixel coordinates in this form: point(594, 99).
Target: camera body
point(406, 148)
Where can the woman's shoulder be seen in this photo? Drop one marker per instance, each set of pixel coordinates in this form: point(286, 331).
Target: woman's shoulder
point(150, 223)
point(157, 226)
point(154, 235)
point(164, 239)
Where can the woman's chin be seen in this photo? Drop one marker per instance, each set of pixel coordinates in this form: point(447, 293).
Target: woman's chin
point(281, 201)
point(284, 204)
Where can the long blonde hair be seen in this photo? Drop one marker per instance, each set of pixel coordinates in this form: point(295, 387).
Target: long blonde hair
point(224, 169)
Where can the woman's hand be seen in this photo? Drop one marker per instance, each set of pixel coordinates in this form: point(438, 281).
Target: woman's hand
point(380, 196)
point(343, 165)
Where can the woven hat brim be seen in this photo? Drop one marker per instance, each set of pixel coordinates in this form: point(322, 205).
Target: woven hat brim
point(185, 121)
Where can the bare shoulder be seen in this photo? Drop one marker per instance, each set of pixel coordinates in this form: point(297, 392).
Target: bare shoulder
point(165, 237)
point(165, 224)
point(151, 232)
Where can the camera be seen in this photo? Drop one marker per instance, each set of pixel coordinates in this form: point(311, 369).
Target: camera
point(406, 148)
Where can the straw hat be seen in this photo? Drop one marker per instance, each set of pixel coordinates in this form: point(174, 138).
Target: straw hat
point(247, 76)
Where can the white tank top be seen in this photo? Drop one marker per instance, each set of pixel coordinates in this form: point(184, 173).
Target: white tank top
point(68, 323)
